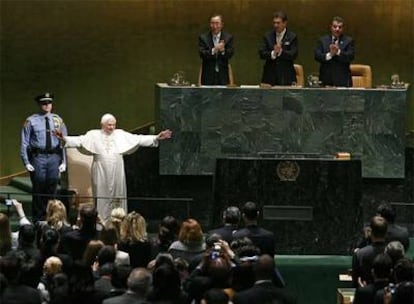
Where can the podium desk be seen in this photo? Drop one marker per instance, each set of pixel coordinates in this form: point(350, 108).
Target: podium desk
point(213, 122)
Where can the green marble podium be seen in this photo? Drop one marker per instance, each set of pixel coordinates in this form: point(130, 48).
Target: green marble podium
point(218, 122)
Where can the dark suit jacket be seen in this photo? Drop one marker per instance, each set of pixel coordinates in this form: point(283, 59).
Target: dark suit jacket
point(209, 76)
point(367, 294)
point(335, 72)
point(226, 232)
point(279, 71)
point(261, 238)
point(362, 262)
point(264, 293)
point(126, 298)
point(398, 233)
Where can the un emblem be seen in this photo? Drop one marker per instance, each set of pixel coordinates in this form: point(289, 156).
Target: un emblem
point(287, 170)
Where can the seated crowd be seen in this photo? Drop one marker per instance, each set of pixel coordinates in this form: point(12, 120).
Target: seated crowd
point(117, 262)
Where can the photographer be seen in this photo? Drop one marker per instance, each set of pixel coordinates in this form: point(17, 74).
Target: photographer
point(214, 271)
point(5, 228)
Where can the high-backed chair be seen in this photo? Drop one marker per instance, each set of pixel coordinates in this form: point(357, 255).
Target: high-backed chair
point(231, 78)
point(79, 175)
point(300, 75)
point(361, 76)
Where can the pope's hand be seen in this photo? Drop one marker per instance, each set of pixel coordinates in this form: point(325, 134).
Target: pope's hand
point(62, 168)
point(30, 168)
point(166, 134)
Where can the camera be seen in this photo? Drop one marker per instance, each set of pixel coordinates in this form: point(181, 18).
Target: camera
point(8, 202)
point(392, 288)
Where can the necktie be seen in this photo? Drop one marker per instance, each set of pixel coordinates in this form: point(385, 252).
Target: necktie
point(216, 41)
point(48, 138)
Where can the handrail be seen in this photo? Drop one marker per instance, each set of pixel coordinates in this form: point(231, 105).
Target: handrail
point(4, 180)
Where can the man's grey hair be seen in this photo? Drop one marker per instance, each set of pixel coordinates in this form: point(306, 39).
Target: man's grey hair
point(107, 117)
point(140, 281)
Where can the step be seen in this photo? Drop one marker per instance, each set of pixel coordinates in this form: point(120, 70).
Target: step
point(22, 182)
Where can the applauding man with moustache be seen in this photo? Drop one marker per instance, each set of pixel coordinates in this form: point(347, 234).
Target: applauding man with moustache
point(215, 49)
point(279, 49)
point(335, 53)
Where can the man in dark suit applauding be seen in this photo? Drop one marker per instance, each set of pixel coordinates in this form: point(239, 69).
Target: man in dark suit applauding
point(261, 238)
point(279, 49)
point(263, 290)
point(335, 53)
point(215, 49)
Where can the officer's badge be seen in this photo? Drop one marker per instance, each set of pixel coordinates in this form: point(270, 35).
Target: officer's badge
point(57, 122)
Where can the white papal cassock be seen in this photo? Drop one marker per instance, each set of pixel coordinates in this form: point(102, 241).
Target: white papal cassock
point(108, 174)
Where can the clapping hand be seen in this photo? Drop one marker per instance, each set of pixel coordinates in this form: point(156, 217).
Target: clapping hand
point(277, 48)
point(333, 48)
point(220, 46)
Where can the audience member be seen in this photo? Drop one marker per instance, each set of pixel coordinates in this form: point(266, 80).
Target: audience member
point(81, 285)
point(109, 236)
point(264, 291)
point(394, 232)
point(231, 220)
point(381, 272)
point(90, 254)
point(7, 237)
point(5, 234)
point(262, 238)
point(215, 296)
point(139, 284)
point(190, 241)
point(59, 289)
point(16, 291)
point(167, 234)
point(134, 239)
point(395, 250)
point(363, 258)
point(51, 267)
point(56, 218)
point(117, 216)
point(48, 244)
point(167, 286)
point(119, 278)
point(75, 242)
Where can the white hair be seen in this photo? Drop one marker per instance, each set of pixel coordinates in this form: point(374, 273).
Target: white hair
point(107, 117)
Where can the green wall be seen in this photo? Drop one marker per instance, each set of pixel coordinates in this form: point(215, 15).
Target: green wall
point(105, 56)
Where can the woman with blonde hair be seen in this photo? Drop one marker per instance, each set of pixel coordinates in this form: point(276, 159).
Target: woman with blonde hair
point(190, 241)
point(52, 266)
point(117, 216)
point(56, 216)
point(134, 239)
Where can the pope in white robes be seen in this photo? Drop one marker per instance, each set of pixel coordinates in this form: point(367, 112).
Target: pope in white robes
point(107, 146)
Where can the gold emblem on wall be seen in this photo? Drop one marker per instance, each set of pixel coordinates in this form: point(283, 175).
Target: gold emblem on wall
point(288, 170)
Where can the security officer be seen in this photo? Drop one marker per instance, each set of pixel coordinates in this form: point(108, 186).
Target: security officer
point(42, 153)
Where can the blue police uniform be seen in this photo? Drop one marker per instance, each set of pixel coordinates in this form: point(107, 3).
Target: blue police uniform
point(45, 160)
